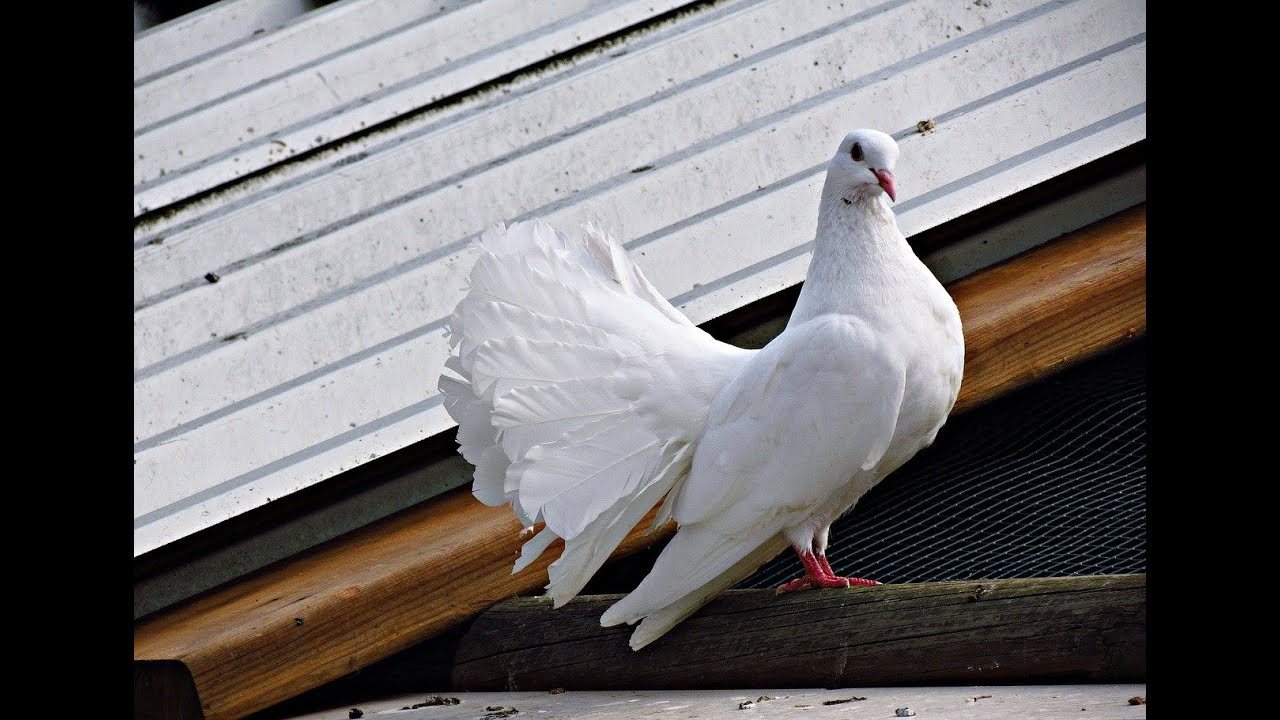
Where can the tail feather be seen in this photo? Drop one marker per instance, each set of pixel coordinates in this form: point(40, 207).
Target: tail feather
point(627, 274)
point(524, 286)
point(518, 440)
point(586, 553)
point(489, 486)
point(673, 590)
point(575, 398)
point(475, 435)
point(478, 319)
point(574, 479)
point(538, 281)
point(578, 389)
point(518, 362)
point(695, 556)
point(656, 623)
point(533, 548)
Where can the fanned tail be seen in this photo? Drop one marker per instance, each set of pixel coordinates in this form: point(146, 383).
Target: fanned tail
point(579, 391)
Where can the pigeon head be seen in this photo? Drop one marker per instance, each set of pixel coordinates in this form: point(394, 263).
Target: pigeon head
point(864, 163)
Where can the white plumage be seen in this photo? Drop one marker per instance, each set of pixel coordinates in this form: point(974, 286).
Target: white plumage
point(584, 398)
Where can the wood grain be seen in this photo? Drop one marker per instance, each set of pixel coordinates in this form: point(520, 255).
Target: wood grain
point(362, 597)
point(163, 690)
point(967, 632)
point(1053, 307)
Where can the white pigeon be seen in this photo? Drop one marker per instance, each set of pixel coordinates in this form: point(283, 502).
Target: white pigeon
point(584, 398)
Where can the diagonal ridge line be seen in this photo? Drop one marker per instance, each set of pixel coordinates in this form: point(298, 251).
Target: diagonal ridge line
point(489, 104)
point(598, 188)
point(286, 461)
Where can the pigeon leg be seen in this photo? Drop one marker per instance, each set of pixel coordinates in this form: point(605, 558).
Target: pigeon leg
point(818, 574)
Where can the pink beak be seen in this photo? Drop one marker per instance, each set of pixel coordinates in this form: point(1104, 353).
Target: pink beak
point(886, 181)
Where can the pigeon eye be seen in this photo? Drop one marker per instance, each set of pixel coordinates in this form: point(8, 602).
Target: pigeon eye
point(855, 152)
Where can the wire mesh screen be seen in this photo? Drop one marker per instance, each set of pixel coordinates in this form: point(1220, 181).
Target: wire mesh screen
point(1048, 481)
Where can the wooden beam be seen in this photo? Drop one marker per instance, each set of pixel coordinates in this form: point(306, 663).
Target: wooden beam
point(961, 633)
point(1053, 306)
point(163, 690)
point(370, 594)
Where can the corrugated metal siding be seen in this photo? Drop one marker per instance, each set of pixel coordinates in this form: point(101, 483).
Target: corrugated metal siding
point(248, 109)
point(701, 144)
point(214, 28)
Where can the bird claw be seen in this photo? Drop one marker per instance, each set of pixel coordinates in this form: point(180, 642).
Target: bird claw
point(809, 583)
point(803, 583)
point(855, 582)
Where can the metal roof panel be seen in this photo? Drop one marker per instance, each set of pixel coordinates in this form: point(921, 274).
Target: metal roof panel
point(308, 359)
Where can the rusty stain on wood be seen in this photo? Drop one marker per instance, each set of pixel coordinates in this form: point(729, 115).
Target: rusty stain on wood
point(395, 583)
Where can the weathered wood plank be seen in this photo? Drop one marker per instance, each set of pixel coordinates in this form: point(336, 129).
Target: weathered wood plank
point(380, 590)
point(982, 702)
point(1037, 630)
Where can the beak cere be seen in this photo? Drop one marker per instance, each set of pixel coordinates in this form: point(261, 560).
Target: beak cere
point(886, 181)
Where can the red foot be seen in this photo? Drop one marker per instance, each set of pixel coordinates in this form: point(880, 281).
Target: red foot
point(802, 583)
point(818, 574)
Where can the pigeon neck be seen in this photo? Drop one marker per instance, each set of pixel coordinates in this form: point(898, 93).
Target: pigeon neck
point(858, 263)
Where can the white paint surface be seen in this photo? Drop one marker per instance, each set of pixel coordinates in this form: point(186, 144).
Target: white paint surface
point(270, 120)
point(161, 48)
point(978, 702)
